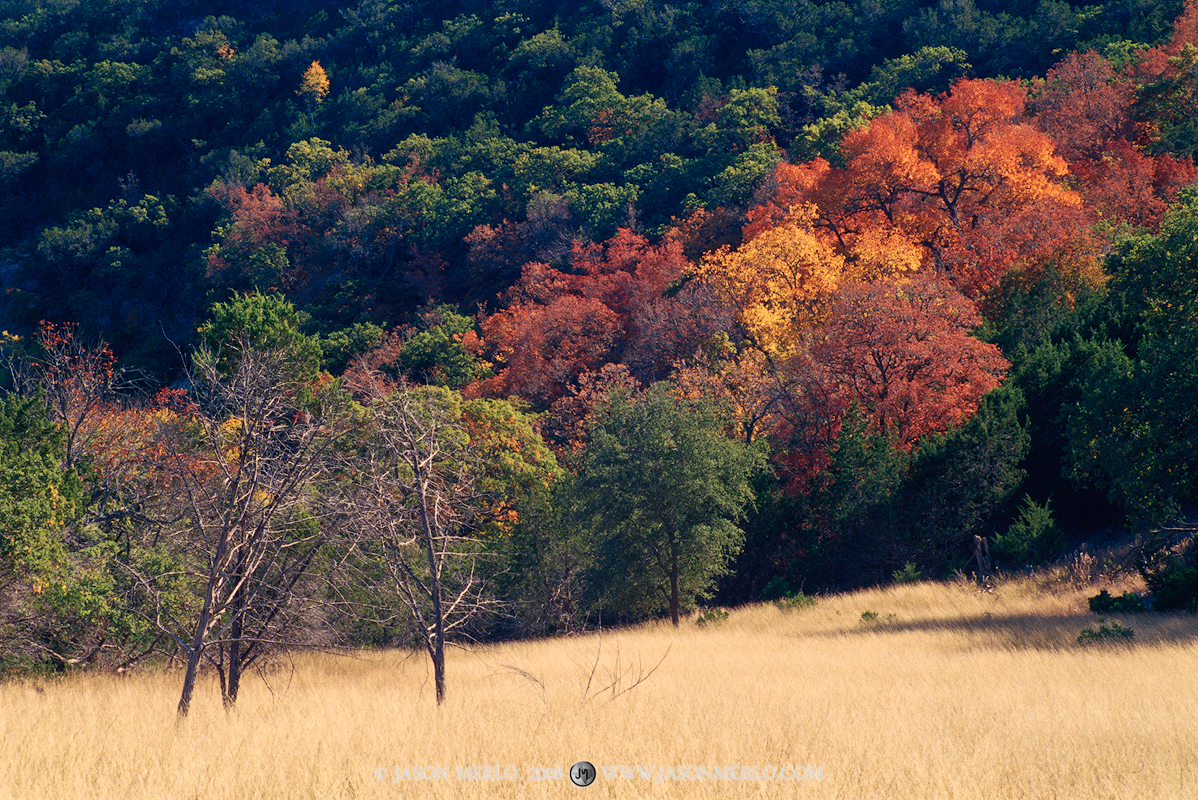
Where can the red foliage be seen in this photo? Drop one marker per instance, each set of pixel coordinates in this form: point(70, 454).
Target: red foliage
point(1083, 106)
point(1125, 184)
point(903, 352)
point(557, 325)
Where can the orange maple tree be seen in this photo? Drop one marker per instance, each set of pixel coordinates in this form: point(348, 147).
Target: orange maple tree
point(959, 182)
point(902, 351)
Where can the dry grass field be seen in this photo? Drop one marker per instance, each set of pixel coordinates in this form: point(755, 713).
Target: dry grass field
point(950, 693)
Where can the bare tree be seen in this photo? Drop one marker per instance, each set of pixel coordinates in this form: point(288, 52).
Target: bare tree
point(249, 467)
point(416, 508)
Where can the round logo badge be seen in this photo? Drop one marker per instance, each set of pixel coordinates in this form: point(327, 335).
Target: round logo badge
point(583, 773)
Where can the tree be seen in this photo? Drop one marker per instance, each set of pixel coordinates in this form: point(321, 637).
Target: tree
point(780, 282)
point(961, 480)
point(38, 498)
point(1083, 107)
point(959, 179)
point(315, 85)
point(418, 503)
point(1134, 431)
point(558, 325)
point(661, 488)
point(78, 381)
point(252, 516)
point(902, 350)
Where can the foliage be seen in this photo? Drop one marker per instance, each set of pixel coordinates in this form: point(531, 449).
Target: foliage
point(961, 481)
point(712, 616)
point(1133, 431)
point(661, 488)
point(780, 283)
point(1107, 632)
point(38, 499)
point(1104, 603)
point(261, 322)
point(1033, 536)
point(908, 574)
point(1170, 571)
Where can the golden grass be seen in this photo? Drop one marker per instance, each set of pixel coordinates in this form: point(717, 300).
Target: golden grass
point(959, 695)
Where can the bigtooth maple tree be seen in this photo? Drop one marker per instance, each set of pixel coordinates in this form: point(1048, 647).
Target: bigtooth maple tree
point(780, 281)
point(558, 325)
point(902, 351)
point(954, 178)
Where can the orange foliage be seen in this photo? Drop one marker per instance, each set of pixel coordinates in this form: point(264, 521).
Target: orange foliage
point(902, 350)
point(949, 179)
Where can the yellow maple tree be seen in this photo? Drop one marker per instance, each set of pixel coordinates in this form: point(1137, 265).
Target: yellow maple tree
point(780, 282)
point(315, 84)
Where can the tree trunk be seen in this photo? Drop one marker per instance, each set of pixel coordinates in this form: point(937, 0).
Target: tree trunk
point(230, 697)
point(193, 659)
point(438, 649)
point(674, 590)
point(439, 668)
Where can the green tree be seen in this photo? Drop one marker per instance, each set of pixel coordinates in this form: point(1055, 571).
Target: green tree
point(962, 480)
point(1134, 431)
point(37, 500)
point(660, 490)
point(265, 322)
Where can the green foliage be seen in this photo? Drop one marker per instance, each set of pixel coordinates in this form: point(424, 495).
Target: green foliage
point(712, 616)
point(777, 588)
point(341, 345)
point(660, 490)
point(1171, 572)
point(435, 354)
point(261, 322)
point(856, 508)
point(795, 601)
point(1128, 603)
point(908, 574)
point(37, 498)
point(778, 591)
point(1033, 536)
point(961, 481)
point(1106, 633)
point(873, 619)
point(1133, 431)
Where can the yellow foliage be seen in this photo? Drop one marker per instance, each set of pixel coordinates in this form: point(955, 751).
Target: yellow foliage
point(781, 282)
point(881, 252)
point(315, 85)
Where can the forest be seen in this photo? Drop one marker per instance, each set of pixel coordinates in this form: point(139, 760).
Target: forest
point(400, 323)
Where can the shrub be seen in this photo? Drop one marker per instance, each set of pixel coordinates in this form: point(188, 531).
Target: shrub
point(796, 601)
point(778, 588)
point(1032, 537)
point(1171, 577)
point(908, 574)
point(872, 618)
point(711, 616)
point(1109, 632)
point(1104, 603)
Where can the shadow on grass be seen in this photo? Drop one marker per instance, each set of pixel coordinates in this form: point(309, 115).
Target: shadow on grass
point(1030, 631)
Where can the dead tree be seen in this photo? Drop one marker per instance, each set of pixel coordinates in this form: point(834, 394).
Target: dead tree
point(249, 472)
point(416, 509)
